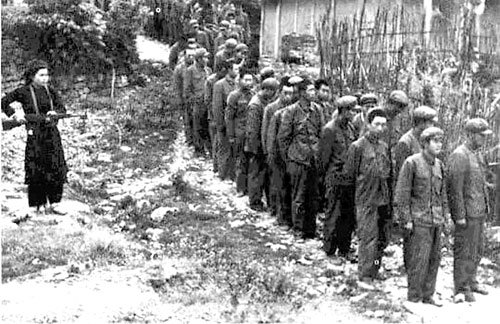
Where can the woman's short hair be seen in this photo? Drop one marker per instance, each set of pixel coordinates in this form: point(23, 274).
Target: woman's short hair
point(32, 69)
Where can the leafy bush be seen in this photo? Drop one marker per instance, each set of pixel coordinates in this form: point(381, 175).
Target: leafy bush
point(75, 36)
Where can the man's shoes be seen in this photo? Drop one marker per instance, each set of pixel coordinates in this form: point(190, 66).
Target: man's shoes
point(258, 207)
point(479, 290)
point(432, 301)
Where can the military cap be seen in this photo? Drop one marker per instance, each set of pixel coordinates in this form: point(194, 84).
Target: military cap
point(347, 102)
point(431, 132)
point(193, 22)
point(225, 24)
point(270, 83)
point(201, 52)
point(231, 43)
point(266, 72)
point(374, 112)
point(478, 126)
point(295, 80)
point(425, 113)
point(241, 47)
point(398, 97)
point(368, 98)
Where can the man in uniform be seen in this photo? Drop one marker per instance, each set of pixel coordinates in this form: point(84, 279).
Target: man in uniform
point(324, 98)
point(222, 88)
point(366, 101)
point(253, 145)
point(178, 81)
point(236, 115)
point(367, 168)
point(298, 138)
point(340, 218)
point(208, 95)
point(194, 85)
point(227, 53)
point(420, 205)
point(468, 202)
point(284, 99)
point(222, 36)
point(409, 144)
point(199, 35)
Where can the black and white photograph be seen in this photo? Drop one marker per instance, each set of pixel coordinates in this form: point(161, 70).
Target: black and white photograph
point(250, 161)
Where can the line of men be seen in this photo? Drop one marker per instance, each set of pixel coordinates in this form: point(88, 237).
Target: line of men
point(285, 143)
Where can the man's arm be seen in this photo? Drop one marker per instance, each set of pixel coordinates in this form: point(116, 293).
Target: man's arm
point(455, 177)
point(285, 133)
point(218, 107)
point(403, 191)
point(325, 149)
point(252, 128)
point(351, 167)
point(232, 101)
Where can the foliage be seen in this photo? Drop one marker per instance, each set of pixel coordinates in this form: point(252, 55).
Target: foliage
point(75, 36)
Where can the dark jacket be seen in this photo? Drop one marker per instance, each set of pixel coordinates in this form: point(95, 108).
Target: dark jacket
point(336, 137)
point(420, 191)
point(222, 88)
point(236, 112)
point(255, 114)
point(407, 145)
point(466, 184)
point(299, 133)
point(368, 168)
point(272, 148)
point(269, 111)
point(194, 82)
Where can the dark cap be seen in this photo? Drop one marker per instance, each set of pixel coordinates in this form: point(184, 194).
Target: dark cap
point(478, 126)
point(231, 43)
point(424, 113)
point(270, 83)
point(369, 98)
point(347, 102)
point(193, 22)
point(431, 132)
point(241, 47)
point(374, 112)
point(398, 97)
point(266, 72)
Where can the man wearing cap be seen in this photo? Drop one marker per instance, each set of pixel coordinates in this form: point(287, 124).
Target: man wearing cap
point(409, 144)
point(298, 138)
point(223, 35)
point(222, 88)
point(199, 35)
point(420, 205)
point(236, 117)
point(208, 96)
point(227, 53)
point(257, 168)
point(279, 179)
point(468, 202)
point(367, 168)
point(336, 137)
point(241, 54)
point(284, 99)
point(178, 77)
point(366, 101)
point(194, 85)
point(324, 97)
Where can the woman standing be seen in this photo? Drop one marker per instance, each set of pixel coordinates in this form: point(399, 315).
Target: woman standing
point(45, 166)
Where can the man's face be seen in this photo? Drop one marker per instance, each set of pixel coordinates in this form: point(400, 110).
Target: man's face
point(377, 126)
point(348, 114)
point(324, 93)
point(189, 57)
point(247, 81)
point(194, 28)
point(477, 140)
point(287, 94)
point(268, 93)
point(242, 54)
point(434, 146)
point(223, 31)
point(310, 92)
point(233, 71)
point(393, 110)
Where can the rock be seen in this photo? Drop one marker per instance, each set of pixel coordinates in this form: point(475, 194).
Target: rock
point(154, 233)
point(236, 223)
point(89, 171)
point(159, 213)
point(365, 286)
point(356, 299)
point(142, 204)
point(379, 313)
point(104, 157)
point(304, 261)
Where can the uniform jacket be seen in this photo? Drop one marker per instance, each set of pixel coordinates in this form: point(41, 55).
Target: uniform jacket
point(236, 112)
point(272, 149)
point(208, 94)
point(269, 111)
point(220, 57)
point(255, 115)
point(178, 78)
point(466, 184)
point(328, 110)
point(420, 191)
point(222, 88)
point(299, 132)
point(194, 82)
point(407, 145)
point(368, 168)
point(336, 137)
